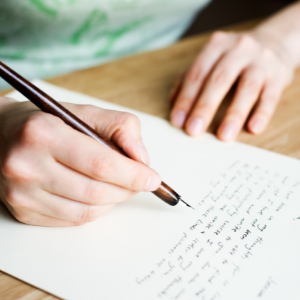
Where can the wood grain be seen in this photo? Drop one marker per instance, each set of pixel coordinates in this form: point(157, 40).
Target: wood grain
point(143, 82)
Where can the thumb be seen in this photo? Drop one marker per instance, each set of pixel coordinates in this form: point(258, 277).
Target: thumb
point(126, 133)
point(121, 128)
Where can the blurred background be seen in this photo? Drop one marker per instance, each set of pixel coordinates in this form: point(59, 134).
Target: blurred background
point(226, 12)
point(45, 41)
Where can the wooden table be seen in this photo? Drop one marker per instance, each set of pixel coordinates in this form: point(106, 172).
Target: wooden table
point(143, 82)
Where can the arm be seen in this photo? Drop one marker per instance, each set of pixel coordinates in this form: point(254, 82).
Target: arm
point(262, 60)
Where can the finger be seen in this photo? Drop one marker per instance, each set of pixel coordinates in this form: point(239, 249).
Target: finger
point(266, 106)
point(219, 83)
point(178, 82)
point(47, 204)
point(46, 221)
point(124, 129)
point(218, 45)
point(87, 156)
point(248, 91)
point(30, 218)
point(66, 209)
point(66, 183)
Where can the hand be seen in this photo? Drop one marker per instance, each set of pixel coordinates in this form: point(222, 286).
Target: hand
point(262, 69)
point(53, 175)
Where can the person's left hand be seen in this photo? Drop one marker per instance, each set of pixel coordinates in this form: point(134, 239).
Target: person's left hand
point(262, 69)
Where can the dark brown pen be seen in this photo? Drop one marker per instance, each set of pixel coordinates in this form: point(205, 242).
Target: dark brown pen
point(49, 105)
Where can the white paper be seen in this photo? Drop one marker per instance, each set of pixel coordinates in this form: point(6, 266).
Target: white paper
point(241, 242)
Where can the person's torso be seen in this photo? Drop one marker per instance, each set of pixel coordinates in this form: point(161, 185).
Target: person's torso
point(55, 36)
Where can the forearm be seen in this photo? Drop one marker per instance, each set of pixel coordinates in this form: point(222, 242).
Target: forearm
point(283, 29)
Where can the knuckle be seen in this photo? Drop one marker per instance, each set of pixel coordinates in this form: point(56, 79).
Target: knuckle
point(244, 41)
point(206, 109)
point(251, 85)
point(88, 214)
point(10, 165)
point(78, 223)
point(236, 114)
point(14, 166)
point(267, 53)
point(184, 102)
point(129, 196)
point(15, 199)
point(37, 128)
point(93, 193)
point(11, 199)
point(195, 74)
point(23, 218)
point(131, 120)
point(138, 182)
point(270, 99)
point(264, 113)
point(101, 166)
point(88, 113)
point(219, 36)
point(125, 122)
point(136, 185)
point(87, 108)
point(220, 76)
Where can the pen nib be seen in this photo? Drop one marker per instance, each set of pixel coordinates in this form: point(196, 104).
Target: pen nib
point(187, 204)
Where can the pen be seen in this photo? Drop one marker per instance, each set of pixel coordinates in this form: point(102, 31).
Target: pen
point(49, 105)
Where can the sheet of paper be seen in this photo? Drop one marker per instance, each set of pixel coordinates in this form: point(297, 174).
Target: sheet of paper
point(241, 242)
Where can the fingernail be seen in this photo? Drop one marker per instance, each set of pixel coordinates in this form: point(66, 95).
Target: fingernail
point(229, 131)
point(143, 153)
point(196, 126)
point(152, 184)
point(257, 126)
point(178, 118)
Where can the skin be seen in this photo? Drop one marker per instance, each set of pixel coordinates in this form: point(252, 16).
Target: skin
point(262, 62)
point(53, 175)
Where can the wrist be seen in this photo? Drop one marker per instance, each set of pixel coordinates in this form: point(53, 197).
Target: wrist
point(282, 33)
point(285, 44)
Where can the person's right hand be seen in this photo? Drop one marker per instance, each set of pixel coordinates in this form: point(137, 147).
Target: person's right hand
point(53, 175)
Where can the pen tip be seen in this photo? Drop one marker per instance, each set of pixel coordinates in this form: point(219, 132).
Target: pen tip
point(187, 204)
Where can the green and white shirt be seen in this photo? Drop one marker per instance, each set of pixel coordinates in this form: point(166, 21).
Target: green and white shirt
point(40, 38)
